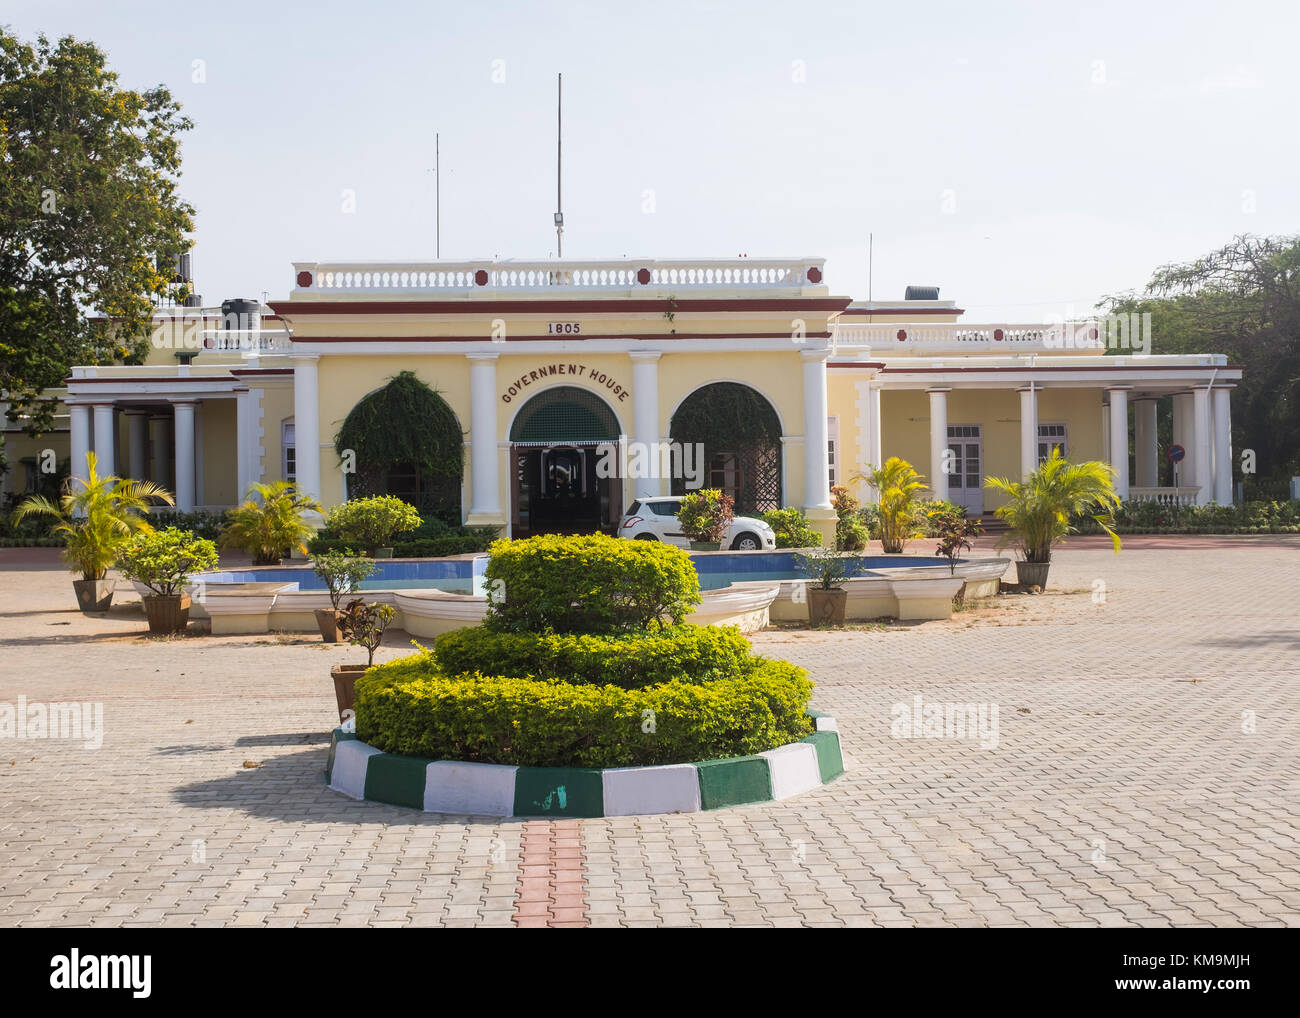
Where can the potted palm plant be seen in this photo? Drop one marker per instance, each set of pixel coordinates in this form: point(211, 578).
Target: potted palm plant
point(827, 568)
point(164, 561)
point(896, 484)
point(362, 625)
point(1039, 509)
point(705, 517)
point(99, 515)
point(271, 525)
point(371, 522)
point(342, 572)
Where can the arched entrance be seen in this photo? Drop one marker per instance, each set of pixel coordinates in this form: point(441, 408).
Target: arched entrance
point(555, 444)
point(741, 435)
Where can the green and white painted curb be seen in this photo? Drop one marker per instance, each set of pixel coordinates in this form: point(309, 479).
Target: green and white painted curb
point(450, 786)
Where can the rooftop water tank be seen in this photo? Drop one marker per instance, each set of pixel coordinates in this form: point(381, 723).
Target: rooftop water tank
point(921, 293)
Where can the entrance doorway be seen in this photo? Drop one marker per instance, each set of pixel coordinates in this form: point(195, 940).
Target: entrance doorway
point(555, 448)
point(966, 482)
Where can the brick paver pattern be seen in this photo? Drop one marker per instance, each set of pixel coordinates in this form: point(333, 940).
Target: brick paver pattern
point(1146, 773)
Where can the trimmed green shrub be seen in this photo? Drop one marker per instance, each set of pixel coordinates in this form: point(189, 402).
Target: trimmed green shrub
point(164, 560)
point(588, 584)
point(792, 528)
point(439, 547)
point(201, 522)
point(688, 654)
point(1243, 518)
point(406, 707)
point(371, 522)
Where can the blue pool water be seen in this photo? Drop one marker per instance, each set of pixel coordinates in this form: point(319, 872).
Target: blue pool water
point(465, 576)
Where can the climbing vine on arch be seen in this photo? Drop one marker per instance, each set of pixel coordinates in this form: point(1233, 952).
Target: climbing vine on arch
point(408, 442)
point(741, 435)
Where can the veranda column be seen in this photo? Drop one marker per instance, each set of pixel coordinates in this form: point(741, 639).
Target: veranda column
point(938, 442)
point(137, 444)
point(184, 445)
point(1185, 435)
point(1028, 430)
point(1223, 446)
point(306, 426)
point(78, 437)
point(105, 439)
point(160, 469)
point(1145, 442)
point(243, 452)
point(645, 399)
point(1119, 438)
point(485, 490)
point(877, 434)
point(1202, 445)
point(817, 468)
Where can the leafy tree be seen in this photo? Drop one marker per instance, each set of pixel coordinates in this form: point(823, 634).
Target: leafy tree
point(90, 220)
point(1243, 301)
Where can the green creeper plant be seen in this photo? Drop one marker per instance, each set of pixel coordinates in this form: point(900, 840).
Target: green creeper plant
point(98, 515)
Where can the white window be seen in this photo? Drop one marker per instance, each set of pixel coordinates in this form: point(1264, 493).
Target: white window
point(289, 457)
point(1051, 436)
point(832, 440)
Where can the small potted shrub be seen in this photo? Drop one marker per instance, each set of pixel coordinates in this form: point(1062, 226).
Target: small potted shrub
point(371, 522)
point(362, 625)
point(1040, 509)
point(164, 561)
point(271, 524)
point(706, 517)
point(98, 515)
point(954, 529)
point(342, 572)
point(792, 528)
point(827, 569)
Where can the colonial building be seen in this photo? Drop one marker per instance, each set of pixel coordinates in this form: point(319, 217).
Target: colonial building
point(540, 368)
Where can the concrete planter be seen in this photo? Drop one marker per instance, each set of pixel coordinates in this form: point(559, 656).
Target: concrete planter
point(1032, 574)
point(327, 619)
point(826, 607)
point(167, 613)
point(345, 685)
point(94, 595)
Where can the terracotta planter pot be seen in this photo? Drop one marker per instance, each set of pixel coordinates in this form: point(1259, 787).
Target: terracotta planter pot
point(826, 607)
point(327, 620)
point(94, 595)
point(706, 545)
point(1032, 574)
point(345, 685)
point(167, 613)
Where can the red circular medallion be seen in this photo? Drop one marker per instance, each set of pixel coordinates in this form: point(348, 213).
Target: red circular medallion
point(997, 335)
point(902, 335)
point(481, 277)
point(304, 279)
point(814, 275)
point(643, 276)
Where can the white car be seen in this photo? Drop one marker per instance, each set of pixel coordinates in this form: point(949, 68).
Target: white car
point(654, 518)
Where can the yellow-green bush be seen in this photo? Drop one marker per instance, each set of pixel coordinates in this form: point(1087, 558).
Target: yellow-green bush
point(409, 707)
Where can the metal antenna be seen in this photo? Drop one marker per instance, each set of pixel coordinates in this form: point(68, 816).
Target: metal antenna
point(437, 194)
point(559, 152)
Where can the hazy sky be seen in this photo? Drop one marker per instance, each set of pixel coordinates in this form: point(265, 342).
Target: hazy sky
point(1025, 157)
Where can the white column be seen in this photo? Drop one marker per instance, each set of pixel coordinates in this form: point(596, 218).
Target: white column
point(1223, 446)
point(184, 445)
point(938, 442)
point(78, 437)
point(645, 401)
point(137, 443)
point(1146, 444)
point(1202, 445)
point(1119, 439)
point(243, 451)
point(1185, 435)
point(816, 486)
point(105, 439)
point(485, 483)
point(877, 444)
point(306, 426)
point(1028, 431)
point(160, 471)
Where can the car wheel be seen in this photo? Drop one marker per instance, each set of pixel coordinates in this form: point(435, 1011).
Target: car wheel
point(746, 542)
point(646, 537)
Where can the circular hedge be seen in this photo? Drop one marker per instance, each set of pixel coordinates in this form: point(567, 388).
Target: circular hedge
point(409, 707)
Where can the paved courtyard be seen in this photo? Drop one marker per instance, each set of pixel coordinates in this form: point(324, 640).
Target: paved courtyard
point(1146, 772)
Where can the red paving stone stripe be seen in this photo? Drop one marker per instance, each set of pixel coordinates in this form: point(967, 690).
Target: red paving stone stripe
point(552, 876)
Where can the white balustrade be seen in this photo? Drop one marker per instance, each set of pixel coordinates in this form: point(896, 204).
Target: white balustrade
point(245, 341)
point(1165, 496)
point(629, 275)
point(883, 337)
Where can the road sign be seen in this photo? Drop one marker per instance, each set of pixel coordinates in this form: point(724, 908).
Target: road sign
point(1176, 453)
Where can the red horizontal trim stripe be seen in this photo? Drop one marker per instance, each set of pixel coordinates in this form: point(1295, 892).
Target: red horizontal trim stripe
point(169, 379)
point(469, 306)
point(261, 371)
point(542, 339)
point(864, 313)
point(1043, 368)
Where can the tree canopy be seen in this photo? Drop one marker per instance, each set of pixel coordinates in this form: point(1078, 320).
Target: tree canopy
point(91, 223)
point(1243, 301)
